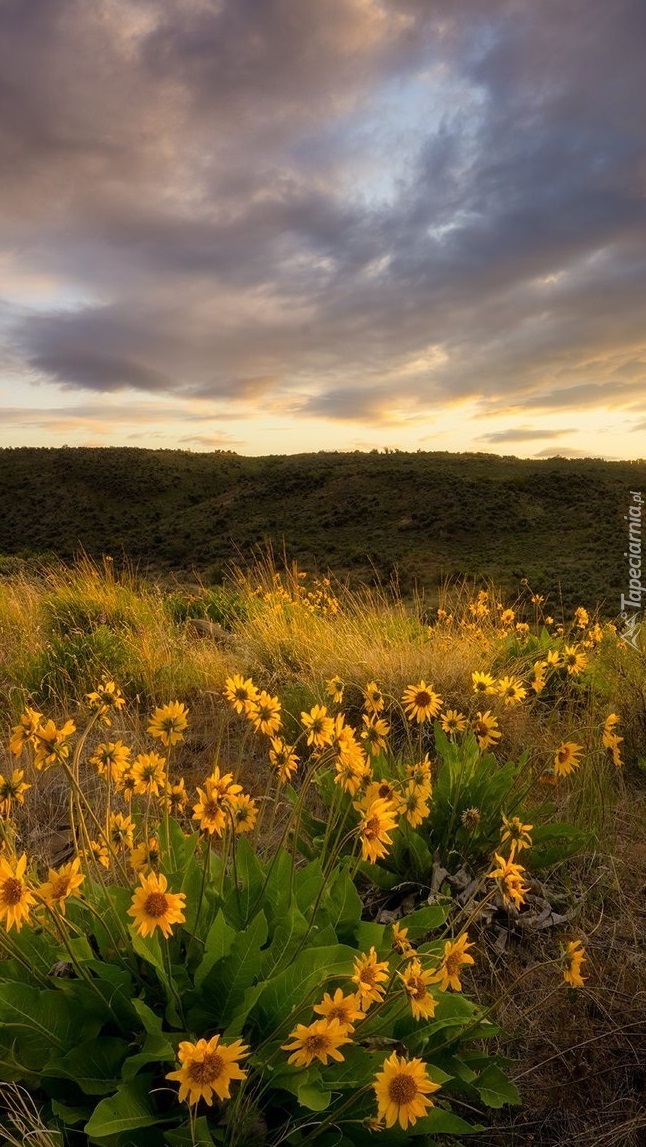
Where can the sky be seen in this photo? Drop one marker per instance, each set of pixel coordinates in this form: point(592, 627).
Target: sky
point(276, 226)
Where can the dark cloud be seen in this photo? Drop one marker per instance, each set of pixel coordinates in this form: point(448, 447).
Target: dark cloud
point(338, 210)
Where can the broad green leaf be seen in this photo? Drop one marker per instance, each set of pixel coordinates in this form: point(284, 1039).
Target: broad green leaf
point(308, 886)
point(223, 990)
point(94, 1065)
point(424, 920)
point(44, 1020)
point(495, 1089)
point(285, 942)
point(218, 945)
point(183, 1136)
point(342, 905)
point(305, 1084)
point(130, 1108)
point(244, 899)
point(303, 981)
point(369, 936)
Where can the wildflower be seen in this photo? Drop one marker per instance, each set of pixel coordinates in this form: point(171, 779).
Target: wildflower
point(538, 684)
point(208, 1067)
point(319, 1040)
point(60, 884)
point(574, 661)
point(516, 833)
point(283, 758)
point(507, 616)
point(98, 850)
point(373, 698)
point(145, 855)
point(153, 907)
point(125, 784)
point(416, 983)
point(573, 956)
point(483, 683)
point(613, 743)
point(608, 736)
point(549, 620)
point(401, 1088)
point(52, 744)
point(522, 628)
point(106, 696)
point(510, 878)
point(453, 722)
point(334, 688)
point(441, 614)
point(401, 943)
point(566, 759)
point(380, 790)
point(374, 733)
point(581, 618)
point(537, 599)
point(379, 820)
point(345, 1009)
point(169, 722)
point(111, 758)
point(245, 812)
point(553, 658)
point(15, 897)
point(420, 775)
point(455, 955)
point(320, 727)
point(175, 797)
point(511, 690)
point(369, 975)
point(240, 692)
point(24, 733)
point(149, 774)
point(209, 811)
point(12, 789)
point(421, 702)
point(486, 729)
point(471, 818)
point(121, 830)
point(264, 714)
point(415, 807)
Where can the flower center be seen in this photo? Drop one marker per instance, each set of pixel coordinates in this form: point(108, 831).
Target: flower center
point(402, 1089)
point(156, 905)
point(12, 891)
point(315, 1043)
point(208, 1070)
point(60, 888)
point(367, 975)
point(373, 827)
point(211, 809)
point(452, 963)
point(422, 699)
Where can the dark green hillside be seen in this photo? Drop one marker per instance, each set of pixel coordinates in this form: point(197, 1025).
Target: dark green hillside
point(557, 522)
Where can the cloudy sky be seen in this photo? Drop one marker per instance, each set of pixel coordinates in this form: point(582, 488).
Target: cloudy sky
point(283, 225)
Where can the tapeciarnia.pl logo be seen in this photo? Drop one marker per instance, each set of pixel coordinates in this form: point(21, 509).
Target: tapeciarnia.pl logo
point(631, 604)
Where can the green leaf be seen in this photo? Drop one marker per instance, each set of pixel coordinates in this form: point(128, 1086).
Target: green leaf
point(312, 969)
point(305, 1084)
point(183, 1136)
point(369, 936)
point(285, 942)
point(219, 939)
point(308, 885)
point(130, 1108)
point(41, 1022)
point(224, 988)
point(243, 900)
point(424, 920)
point(495, 1089)
point(341, 904)
point(94, 1065)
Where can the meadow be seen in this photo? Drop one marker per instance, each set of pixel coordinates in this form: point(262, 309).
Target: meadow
point(291, 860)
